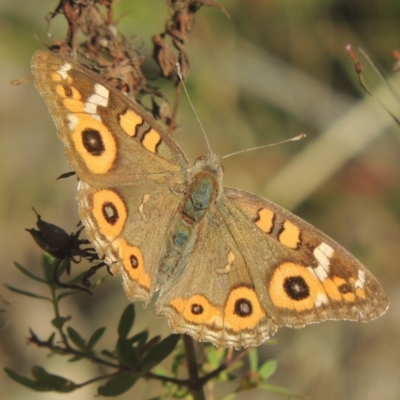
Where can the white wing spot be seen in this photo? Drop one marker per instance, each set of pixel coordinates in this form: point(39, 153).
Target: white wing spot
point(98, 98)
point(323, 254)
point(102, 92)
point(231, 259)
point(72, 121)
point(63, 71)
point(146, 198)
point(360, 282)
point(321, 299)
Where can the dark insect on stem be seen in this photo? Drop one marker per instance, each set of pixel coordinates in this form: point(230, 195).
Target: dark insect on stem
point(65, 248)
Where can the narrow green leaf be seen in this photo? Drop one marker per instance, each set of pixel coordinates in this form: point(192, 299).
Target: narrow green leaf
point(126, 321)
point(127, 354)
point(54, 382)
point(62, 267)
point(140, 338)
point(25, 293)
point(120, 384)
point(250, 380)
point(160, 370)
point(159, 353)
point(75, 358)
point(76, 338)
point(50, 340)
point(215, 356)
point(178, 361)
point(280, 390)
point(268, 369)
point(153, 342)
point(31, 384)
point(235, 366)
point(108, 354)
point(49, 263)
point(44, 382)
point(29, 273)
point(96, 335)
point(253, 359)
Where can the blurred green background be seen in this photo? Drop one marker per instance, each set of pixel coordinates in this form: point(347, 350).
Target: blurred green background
point(278, 68)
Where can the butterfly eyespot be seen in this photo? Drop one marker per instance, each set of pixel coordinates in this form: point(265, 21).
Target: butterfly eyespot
point(134, 261)
point(110, 213)
point(67, 91)
point(344, 288)
point(93, 142)
point(243, 307)
point(197, 309)
point(296, 288)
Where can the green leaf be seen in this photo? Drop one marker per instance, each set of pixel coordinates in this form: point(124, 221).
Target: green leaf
point(160, 370)
point(120, 384)
point(54, 382)
point(153, 342)
point(76, 338)
point(31, 384)
point(62, 267)
point(280, 390)
point(25, 293)
point(159, 353)
point(268, 369)
point(178, 361)
point(49, 263)
point(126, 321)
point(96, 335)
point(140, 338)
point(29, 274)
point(253, 359)
point(44, 382)
point(76, 358)
point(215, 356)
point(127, 354)
point(59, 322)
point(250, 380)
point(108, 354)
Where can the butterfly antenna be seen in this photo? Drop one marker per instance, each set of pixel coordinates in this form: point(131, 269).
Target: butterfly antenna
point(298, 137)
point(178, 70)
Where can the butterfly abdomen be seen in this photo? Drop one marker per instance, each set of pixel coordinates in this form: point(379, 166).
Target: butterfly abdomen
point(202, 192)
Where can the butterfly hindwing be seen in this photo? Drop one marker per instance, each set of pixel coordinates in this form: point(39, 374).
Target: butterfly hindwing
point(307, 277)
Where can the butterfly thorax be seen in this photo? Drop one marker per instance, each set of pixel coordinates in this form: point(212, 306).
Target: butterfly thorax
point(204, 190)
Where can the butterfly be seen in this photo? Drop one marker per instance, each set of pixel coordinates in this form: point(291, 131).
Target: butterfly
point(230, 267)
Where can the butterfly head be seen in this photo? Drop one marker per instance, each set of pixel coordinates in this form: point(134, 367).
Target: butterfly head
point(210, 166)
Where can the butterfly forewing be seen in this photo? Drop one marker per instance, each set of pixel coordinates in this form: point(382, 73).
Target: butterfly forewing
point(108, 138)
